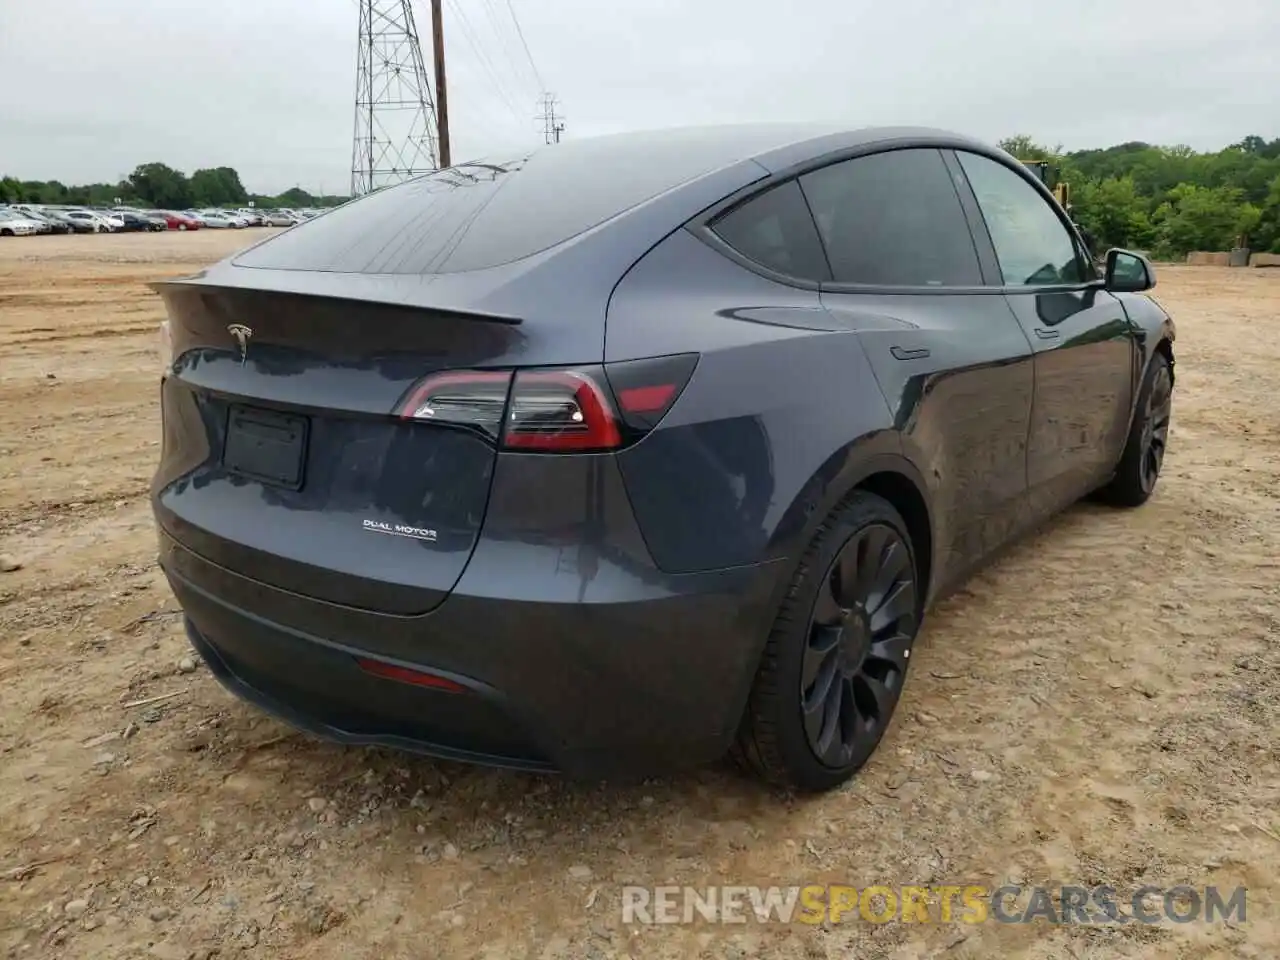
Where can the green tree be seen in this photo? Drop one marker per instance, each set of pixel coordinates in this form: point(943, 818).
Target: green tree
point(296, 197)
point(1202, 218)
point(1266, 234)
point(161, 186)
point(1113, 212)
point(219, 186)
point(51, 191)
point(1025, 148)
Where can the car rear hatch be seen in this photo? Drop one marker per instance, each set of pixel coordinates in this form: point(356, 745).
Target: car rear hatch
point(284, 457)
point(287, 456)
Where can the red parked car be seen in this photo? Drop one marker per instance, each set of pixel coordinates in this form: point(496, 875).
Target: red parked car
point(177, 221)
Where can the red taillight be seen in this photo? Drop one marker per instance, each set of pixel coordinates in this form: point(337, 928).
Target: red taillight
point(462, 398)
point(419, 678)
point(560, 410)
point(568, 410)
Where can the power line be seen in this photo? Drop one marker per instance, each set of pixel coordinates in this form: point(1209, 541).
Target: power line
point(525, 44)
point(510, 51)
point(469, 35)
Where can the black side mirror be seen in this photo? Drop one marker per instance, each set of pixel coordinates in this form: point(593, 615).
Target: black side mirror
point(1129, 272)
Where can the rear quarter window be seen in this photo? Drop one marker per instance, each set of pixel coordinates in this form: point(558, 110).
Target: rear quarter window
point(776, 230)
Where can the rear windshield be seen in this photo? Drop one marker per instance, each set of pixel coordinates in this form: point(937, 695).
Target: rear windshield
point(478, 215)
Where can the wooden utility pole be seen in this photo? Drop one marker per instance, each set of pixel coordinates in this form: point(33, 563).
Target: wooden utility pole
point(442, 101)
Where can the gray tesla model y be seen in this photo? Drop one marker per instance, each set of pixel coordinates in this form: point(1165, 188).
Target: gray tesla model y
point(639, 450)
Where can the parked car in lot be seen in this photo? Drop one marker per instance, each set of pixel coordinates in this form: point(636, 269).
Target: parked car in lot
point(15, 224)
point(236, 219)
point(49, 222)
point(109, 216)
point(278, 218)
point(139, 223)
point(93, 220)
point(251, 217)
point(59, 216)
point(41, 224)
point(666, 464)
point(177, 221)
point(216, 220)
point(236, 222)
point(60, 223)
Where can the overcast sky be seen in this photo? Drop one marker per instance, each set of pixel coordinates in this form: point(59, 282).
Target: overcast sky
point(91, 88)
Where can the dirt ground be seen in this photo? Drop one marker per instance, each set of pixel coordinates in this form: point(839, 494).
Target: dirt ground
point(1100, 706)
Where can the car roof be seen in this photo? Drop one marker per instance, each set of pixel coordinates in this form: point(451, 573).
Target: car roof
point(488, 213)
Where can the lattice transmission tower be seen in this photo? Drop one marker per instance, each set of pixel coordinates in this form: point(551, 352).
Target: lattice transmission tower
point(396, 124)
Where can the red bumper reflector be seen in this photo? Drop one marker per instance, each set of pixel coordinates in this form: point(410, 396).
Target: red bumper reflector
point(647, 399)
point(389, 671)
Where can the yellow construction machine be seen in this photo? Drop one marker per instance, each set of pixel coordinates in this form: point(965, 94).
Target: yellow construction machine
point(1049, 177)
point(1061, 190)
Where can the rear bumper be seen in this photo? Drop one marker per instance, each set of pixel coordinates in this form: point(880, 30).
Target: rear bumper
point(317, 687)
point(649, 679)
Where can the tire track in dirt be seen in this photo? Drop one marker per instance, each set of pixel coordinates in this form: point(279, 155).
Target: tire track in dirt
point(42, 512)
point(97, 334)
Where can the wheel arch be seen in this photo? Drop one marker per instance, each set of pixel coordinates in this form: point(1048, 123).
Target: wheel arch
point(1164, 346)
point(907, 497)
point(887, 474)
point(1161, 346)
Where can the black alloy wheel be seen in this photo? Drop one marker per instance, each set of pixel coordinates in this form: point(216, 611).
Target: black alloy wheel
point(835, 661)
point(1139, 467)
point(1155, 425)
point(859, 640)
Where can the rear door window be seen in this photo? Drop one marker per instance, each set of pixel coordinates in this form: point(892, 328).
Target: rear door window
point(776, 231)
point(893, 219)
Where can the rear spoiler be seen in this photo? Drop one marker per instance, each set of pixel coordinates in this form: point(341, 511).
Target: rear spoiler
point(198, 281)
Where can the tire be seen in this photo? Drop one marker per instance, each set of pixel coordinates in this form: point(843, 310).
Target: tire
point(787, 718)
point(182, 226)
point(6, 233)
point(1140, 463)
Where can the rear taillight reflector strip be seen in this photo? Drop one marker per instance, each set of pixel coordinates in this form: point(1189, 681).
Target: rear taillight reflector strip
point(417, 678)
point(648, 388)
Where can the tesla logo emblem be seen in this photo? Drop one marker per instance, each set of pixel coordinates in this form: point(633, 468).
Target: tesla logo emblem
point(242, 335)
